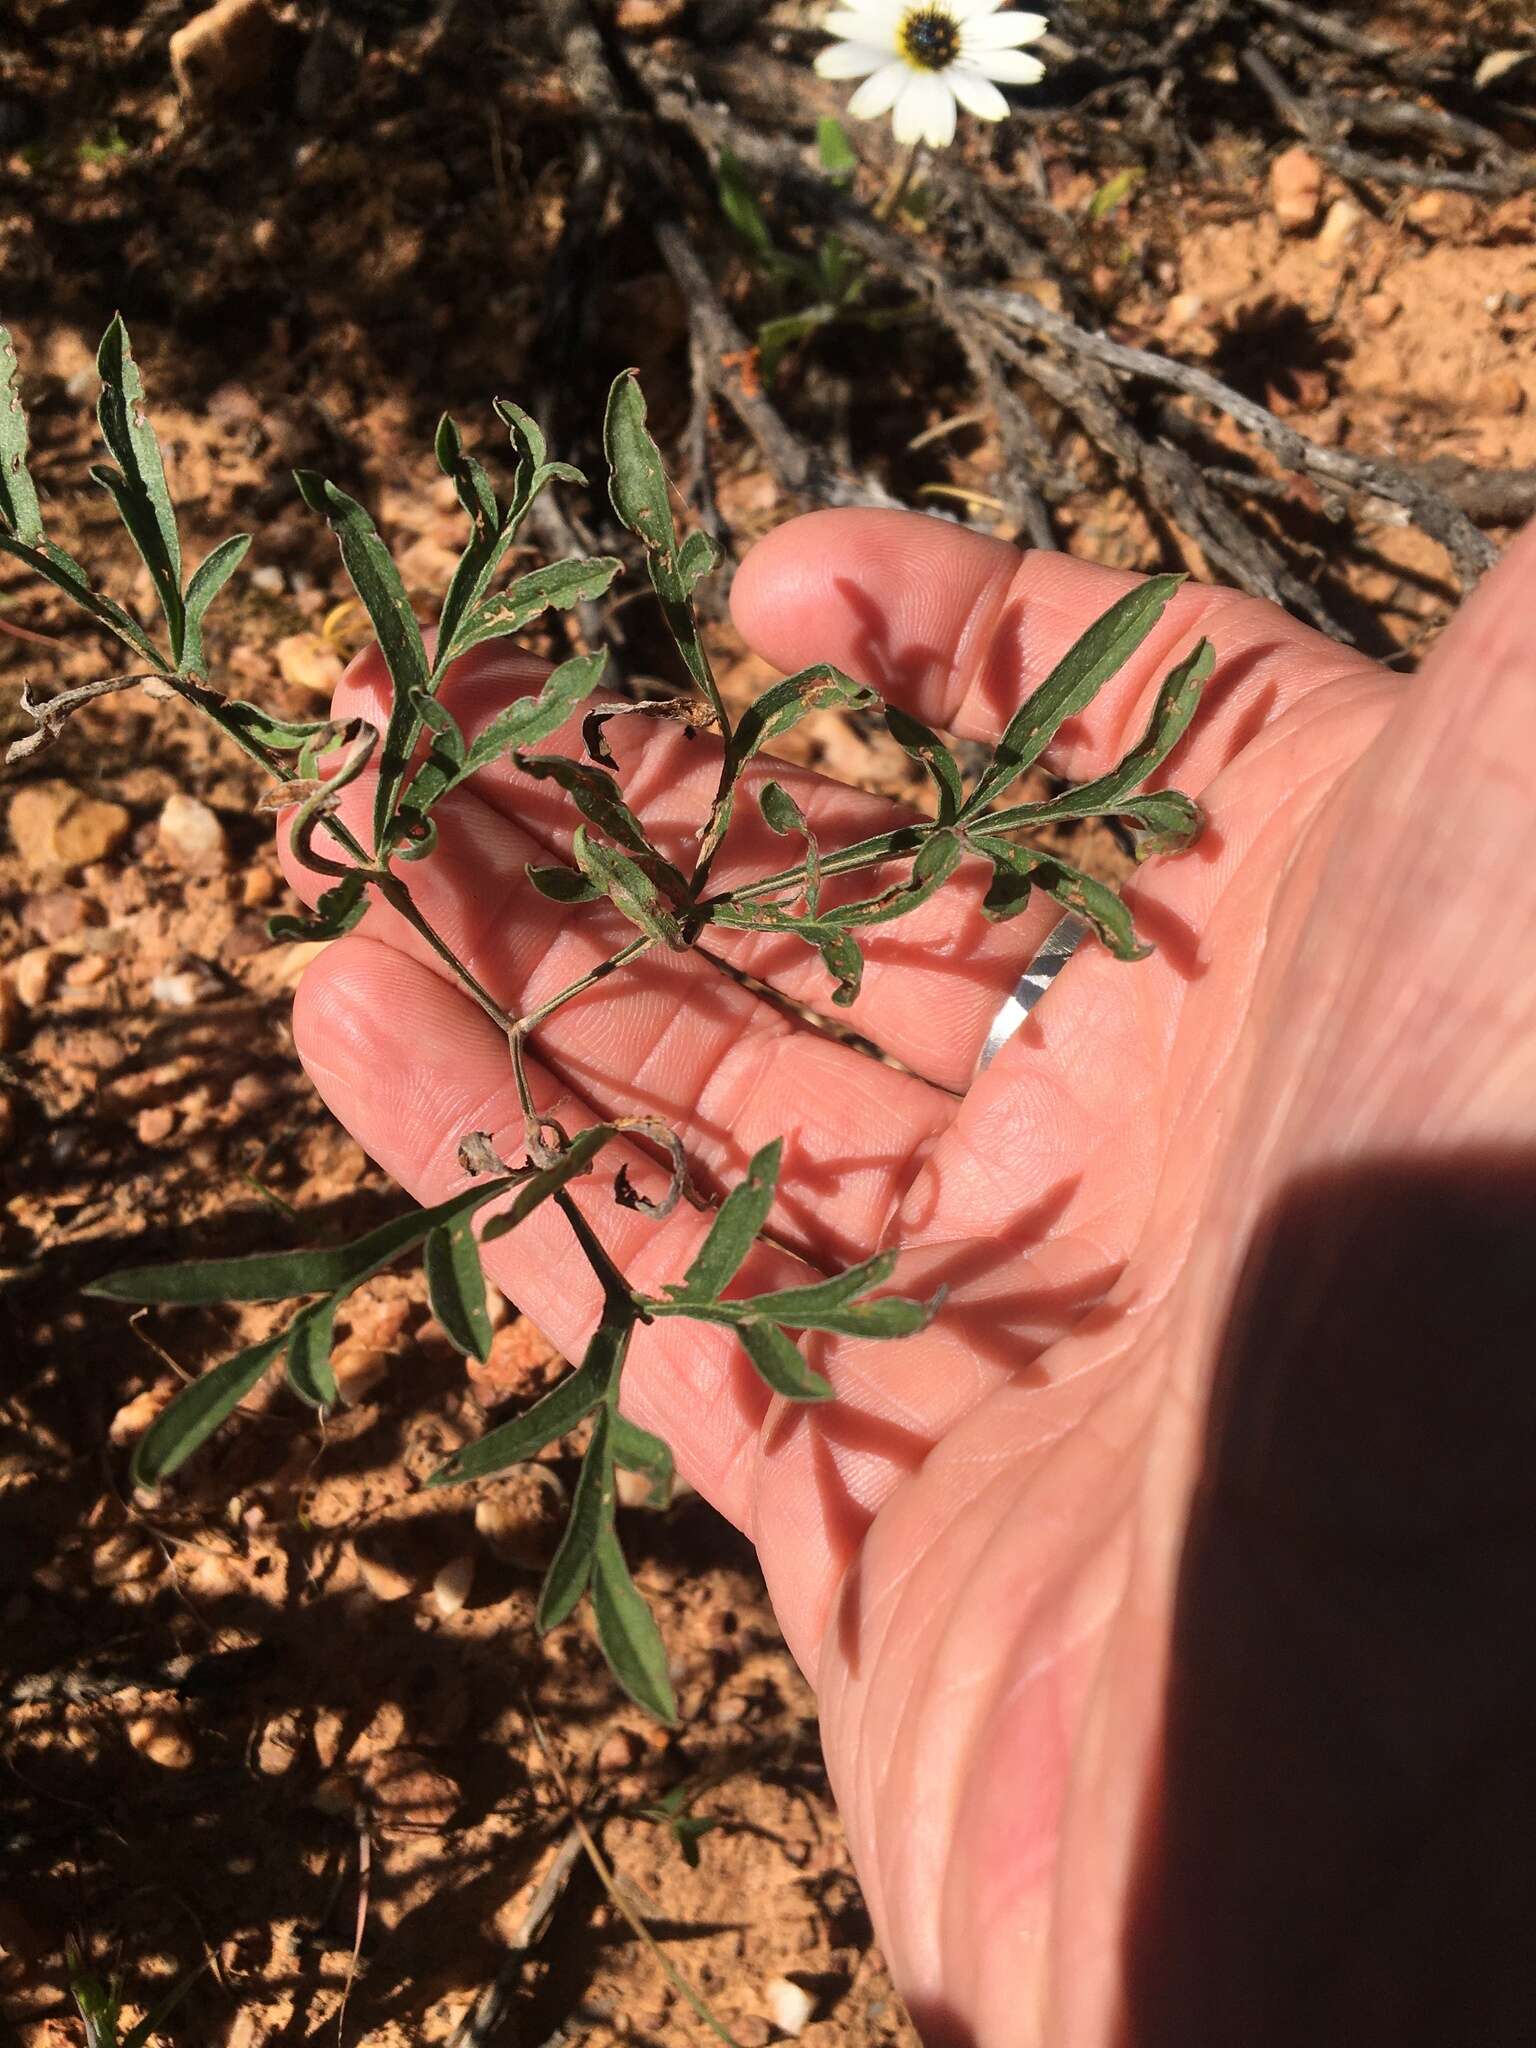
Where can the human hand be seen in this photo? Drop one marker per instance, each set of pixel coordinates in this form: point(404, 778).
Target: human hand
point(1090, 1577)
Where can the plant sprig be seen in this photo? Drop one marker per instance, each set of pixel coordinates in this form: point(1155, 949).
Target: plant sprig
point(418, 763)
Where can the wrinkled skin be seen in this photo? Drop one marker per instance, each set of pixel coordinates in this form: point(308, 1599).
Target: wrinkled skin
point(1089, 1578)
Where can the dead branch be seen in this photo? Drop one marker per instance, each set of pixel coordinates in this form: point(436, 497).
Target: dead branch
point(53, 713)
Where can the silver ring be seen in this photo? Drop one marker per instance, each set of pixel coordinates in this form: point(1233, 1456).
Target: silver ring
point(1065, 938)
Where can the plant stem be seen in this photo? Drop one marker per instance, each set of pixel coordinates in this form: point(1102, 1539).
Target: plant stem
point(885, 207)
point(399, 898)
point(531, 1019)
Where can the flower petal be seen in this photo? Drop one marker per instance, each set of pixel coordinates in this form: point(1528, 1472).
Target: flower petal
point(1009, 67)
point(1001, 31)
point(876, 30)
point(877, 95)
point(850, 60)
point(976, 94)
point(926, 110)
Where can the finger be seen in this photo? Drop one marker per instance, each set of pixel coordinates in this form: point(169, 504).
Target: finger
point(958, 628)
point(932, 981)
point(669, 1037)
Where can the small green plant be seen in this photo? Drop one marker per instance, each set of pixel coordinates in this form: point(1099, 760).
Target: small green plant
point(100, 2005)
point(686, 1829)
point(415, 764)
point(828, 286)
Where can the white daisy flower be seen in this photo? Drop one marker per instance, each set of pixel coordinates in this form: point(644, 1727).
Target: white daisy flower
point(917, 58)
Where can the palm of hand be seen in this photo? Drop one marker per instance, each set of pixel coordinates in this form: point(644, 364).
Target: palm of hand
point(974, 1552)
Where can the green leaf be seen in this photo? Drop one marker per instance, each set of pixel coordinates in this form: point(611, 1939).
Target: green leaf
point(140, 490)
point(1073, 684)
point(781, 707)
point(835, 150)
point(66, 574)
point(739, 205)
point(780, 1364)
point(638, 1451)
point(250, 725)
point(776, 712)
point(834, 1304)
point(637, 482)
point(627, 1631)
point(276, 1276)
point(377, 582)
point(1014, 873)
point(335, 914)
point(1078, 892)
point(843, 961)
point(914, 738)
point(1171, 821)
point(734, 1231)
point(591, 1513)
point(597, 796)
point(699, 556)
point(198, 1409)
point(527, 720)
point(563, 885)
point(1177, 702)
point(484, 548)
point(19, 510)
point(538, 1188)
point(310, 1340)
point(208, 580)
point(783, 815)
point(782, 332)
point(556, 587)
point(1115, 191)
point(456, 1286)
point(556, 1414)
point(627, 886)
point(938, 857)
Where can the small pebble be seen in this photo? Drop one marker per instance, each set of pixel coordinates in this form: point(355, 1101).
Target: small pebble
point(1295, 189)
point(87, 970)
point(32, 974)
point(618, 1752)
point(384, 1572)
point(191, 834)
point(163, 1739)
point(335, 1794)
point(268, 579)
point(450, 1589)
point(135, 1416)
point(359, 1367)
point(790, 2006)
point(154, 1126)
point(183, 990)
point(258, 886)
point(402, 1786)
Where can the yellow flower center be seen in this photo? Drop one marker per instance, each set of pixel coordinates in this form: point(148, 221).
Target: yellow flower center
point(929, 38)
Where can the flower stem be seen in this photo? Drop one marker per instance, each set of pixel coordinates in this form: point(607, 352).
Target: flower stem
point(885, 207)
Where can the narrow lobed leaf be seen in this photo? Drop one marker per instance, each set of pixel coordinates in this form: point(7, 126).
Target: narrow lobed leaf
point(629, 888)
point(915, 738)
point(456, 1286)
point(208, 579)
point(591, 1513)
point(197, 1411)
point(19, 509)
point(637, 482)
point(310, 1341)
point(377, 582)
point(1101, 652)
point(563, 885)
point(737, 1223)
point(638, 1451)
point(627, 1631)
point(140, 490)
point(277, 1276)
point(555, 1415)
point(779, 1363)
point(556, 587)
